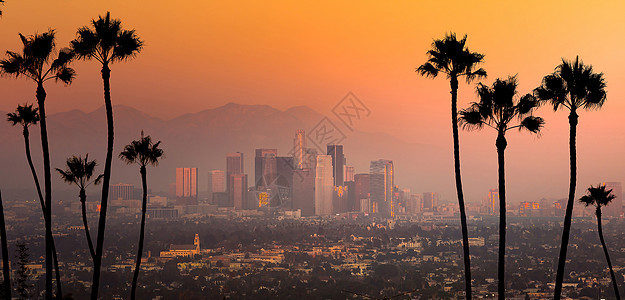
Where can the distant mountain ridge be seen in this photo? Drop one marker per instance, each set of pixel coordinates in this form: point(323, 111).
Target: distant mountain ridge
point(200, 139)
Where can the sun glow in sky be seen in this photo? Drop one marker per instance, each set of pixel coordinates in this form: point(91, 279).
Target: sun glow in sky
point(203, 54)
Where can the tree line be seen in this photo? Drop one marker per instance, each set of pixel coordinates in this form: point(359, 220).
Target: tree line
point(104, 40)
point(572, 86)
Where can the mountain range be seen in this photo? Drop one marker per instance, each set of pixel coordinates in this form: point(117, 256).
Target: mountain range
point(202, 140)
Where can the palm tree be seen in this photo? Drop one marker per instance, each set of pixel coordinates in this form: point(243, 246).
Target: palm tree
point(6, 271)
point(79, 172)
point(498, 109)
point(450, 56)
point(26, 116)
point(1, 2)
point(36, 63)
point(107, 43)
point(573, 86)
point(142, 152)
point(599, 196)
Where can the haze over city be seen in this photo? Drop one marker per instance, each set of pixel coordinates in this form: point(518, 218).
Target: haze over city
point(260, 150)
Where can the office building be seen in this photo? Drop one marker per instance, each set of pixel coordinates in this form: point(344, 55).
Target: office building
point(238, 191)
point(493, 201)
point(299, 145)
point(429, 202)
point(122, 191)
point(338, 163)
point(266, 168)
point(361, 189)
point(186, 186)
point(216, 183)
point(324, 186)
point(304, 191)
point(234, 165)
point(381, 187)
point(614, 209)
point(349, 173)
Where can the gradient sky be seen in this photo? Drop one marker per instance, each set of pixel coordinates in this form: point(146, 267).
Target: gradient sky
point(203, 54)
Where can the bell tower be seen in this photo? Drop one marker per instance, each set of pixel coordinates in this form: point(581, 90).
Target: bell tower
point(196, 242)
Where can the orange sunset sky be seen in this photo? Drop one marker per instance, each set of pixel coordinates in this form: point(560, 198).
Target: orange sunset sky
point(203, 54)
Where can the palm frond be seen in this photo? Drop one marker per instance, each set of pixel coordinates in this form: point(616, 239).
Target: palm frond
point(532, 124)
point(128, 45)
point(471, 119)
point(598, 196)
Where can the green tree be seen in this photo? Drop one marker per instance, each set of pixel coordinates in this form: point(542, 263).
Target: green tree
point(142, 152)
point(36, 62)
point(499, 108)
point(572, 86)
point(451, 57)
point(598, 197)
point(80, 172)
point(107, 43)
point(22, 273)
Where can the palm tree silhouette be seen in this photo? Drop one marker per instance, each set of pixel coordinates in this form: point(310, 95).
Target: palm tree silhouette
point(106, 42)
point(450, 56)
point(599, 196)
point(1, 3)
point(6, 271)
point(79, 172)
point(573, 86)
point(26, 116)
point(36, 63)
point(142, 152)
point(498, 109)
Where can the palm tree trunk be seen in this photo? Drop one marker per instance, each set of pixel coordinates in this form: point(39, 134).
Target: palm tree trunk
point(97, 263)
point(43, 209)
point(144, 205)
point(6, 273)
point(607, 255)
point(41, 98)
point(501, 264)
point(573, 120)
point(463, 216)
point(83, 202)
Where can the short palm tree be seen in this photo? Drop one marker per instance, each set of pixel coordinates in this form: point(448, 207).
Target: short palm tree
point(599, 196)
point(37, 63)
point(142, 152)
point(80, 172)
point(27, 116)
point(105, 42)
point(451, 57)
point(6, 271)
point(572, 86)
point(500, 109)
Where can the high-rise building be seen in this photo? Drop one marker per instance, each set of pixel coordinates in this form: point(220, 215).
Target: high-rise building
point(493, 201)
point(304, 191)
point(122, 191)
point(414, 203)
point(216, 183)
point(283, 186)
point(338, 163)
point(361, 190)
point(186, 186)
point(614, 209)
point(429, 202)
point(266, 168)
point(324, 186)
point(299, 145)
point(381, 186)
point(234, 165)
point(238, 191)
point(349, 173)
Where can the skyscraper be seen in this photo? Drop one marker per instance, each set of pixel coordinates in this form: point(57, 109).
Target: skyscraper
point(349, 173)
point(238, 190)
point(324, 186)
point(429, 201)
point(299, 145)
point(615, 207)
point(304, 191)
point(381, 186)
point(121, 191)
point(186, 186)
point(266, 167)
point(216, 183)
point(234, 165)
point(361, 191)
point(284, 182)
point(338, 163)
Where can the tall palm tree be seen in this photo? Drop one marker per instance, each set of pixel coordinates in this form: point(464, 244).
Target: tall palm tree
point(451, 57)
point(499, 108)
point(36, 62)
point(6, 271)
point(26, 116)
point(599, 196)
point(106, 42)
point(572, 86)
point(142, 152)
point(80, 172)
point(1, 2)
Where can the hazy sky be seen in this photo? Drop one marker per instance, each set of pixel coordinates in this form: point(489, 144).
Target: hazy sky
point(203, 54)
